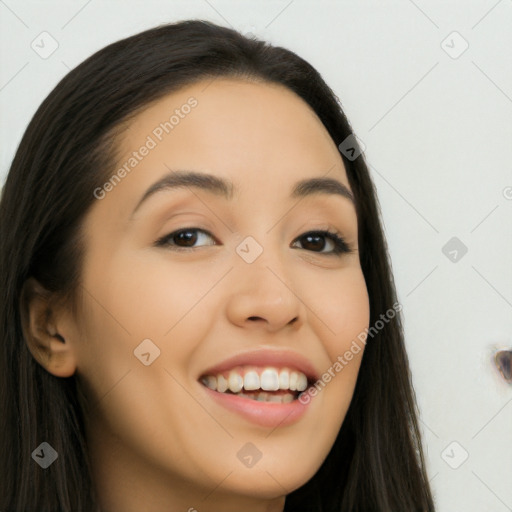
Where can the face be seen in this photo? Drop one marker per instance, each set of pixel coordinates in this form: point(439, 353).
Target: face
point(207, 308)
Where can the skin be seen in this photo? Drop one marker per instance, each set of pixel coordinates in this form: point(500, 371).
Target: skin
point(157, 442)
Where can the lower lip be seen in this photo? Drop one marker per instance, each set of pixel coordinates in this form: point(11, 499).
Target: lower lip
point(265, 414)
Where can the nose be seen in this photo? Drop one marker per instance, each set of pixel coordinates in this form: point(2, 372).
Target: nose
point(263, 297)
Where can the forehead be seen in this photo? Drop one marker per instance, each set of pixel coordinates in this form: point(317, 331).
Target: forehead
point(235, 125)
point(231, 102)
point(261, 137)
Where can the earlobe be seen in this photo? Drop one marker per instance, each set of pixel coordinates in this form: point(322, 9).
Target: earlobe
point(40, 320)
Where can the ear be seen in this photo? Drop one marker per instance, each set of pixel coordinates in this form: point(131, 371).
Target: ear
point(40, 321)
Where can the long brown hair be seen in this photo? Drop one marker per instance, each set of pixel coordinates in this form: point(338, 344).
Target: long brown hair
point(67, 151)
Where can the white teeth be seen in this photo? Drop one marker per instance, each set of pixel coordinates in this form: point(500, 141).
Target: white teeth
point(235, 381)
point(294, 379)
point(284, 379)
point(269, 397)
point(251, 381)
point(269, 380)
point(222, 384)
point(302, 382)
point(210, 382)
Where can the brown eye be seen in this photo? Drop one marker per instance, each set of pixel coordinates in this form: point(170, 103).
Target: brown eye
point(316, 241)
point(184, 238)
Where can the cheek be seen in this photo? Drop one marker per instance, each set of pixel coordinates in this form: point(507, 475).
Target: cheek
point(342, 313)
point(131, 299)
point(154, 296)
point(340, 309)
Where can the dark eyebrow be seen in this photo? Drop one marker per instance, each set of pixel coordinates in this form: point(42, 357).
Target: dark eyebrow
point(224, 188)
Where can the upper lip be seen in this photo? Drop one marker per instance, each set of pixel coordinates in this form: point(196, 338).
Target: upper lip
point(267, 357)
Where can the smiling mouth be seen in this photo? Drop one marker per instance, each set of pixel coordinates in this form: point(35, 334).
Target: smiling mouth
point(262, 384)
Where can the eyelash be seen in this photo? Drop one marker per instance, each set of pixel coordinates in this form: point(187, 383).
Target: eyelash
point(340, 246)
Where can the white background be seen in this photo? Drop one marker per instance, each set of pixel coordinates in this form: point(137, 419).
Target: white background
point(438, 134)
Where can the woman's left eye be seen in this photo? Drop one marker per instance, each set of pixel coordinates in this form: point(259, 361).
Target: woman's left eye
point(187, 238)
point(315, 239)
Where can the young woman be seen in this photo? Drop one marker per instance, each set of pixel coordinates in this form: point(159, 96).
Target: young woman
point(198, 308)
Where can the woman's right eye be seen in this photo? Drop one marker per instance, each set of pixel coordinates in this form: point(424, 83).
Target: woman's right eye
point(184, 239)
